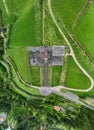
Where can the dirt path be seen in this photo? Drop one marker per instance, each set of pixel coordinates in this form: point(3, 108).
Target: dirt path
point(43, 13)
point(72, 53)
point(7, 11)
point(84, 9)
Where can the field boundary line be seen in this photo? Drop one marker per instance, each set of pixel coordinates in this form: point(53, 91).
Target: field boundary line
point(43, 13)
point(82, 12)
point(7, 10)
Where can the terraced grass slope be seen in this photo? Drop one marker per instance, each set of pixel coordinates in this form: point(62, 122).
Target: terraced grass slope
point(75, 78)
point(27, 30)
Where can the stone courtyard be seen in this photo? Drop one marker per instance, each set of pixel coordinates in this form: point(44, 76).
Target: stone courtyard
point(53, 55)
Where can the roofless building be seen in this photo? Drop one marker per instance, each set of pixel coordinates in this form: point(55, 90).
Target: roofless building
point(54, 55)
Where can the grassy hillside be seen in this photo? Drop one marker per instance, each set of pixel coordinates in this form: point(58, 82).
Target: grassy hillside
point(56, 75)
point(27, 30)
point(84, 31)
point(21, 59)
point(14, 10)
point(75, 78)
point(67, 10)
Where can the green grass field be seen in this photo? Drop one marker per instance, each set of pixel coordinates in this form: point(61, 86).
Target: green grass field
point(67, 10)
point(75, 78)
point(84, 31)
point(27, 30)
point(14, 10)
point(21, 58)
point(56, 75)
point(14, 7)
point(35, 78)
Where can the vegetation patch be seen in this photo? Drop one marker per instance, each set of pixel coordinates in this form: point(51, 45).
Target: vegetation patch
point(35, 75)
point(20, 57)
point(81, 56)
point(56, 75)
point(27, 30)
point(75, 77)
point(67, 10)
point(84, 31)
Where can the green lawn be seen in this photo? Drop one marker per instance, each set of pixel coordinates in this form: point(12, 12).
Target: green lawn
point(35, 78)
point(84, 31)
point(27, 30)
point(21, 58)
point(67, 10)
point(75, 78)
point(56, 75)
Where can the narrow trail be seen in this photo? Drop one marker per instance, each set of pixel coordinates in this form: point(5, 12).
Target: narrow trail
point(80, 14)
point(43, 41)
point(7, 10)
point(72, 53)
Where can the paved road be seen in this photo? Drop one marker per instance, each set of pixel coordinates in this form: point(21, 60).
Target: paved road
point(73, 98)
point(72, 53)
point(45, 91)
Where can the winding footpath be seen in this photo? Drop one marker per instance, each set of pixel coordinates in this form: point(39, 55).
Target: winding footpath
point(7, 11)
point(83, 11)
point(72, 54)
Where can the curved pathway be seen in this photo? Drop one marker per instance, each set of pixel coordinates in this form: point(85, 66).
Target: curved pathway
point(7, 11)
point(71, 50)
